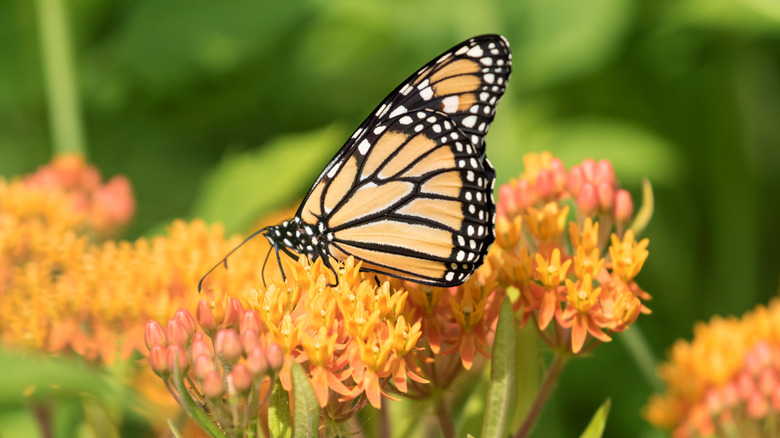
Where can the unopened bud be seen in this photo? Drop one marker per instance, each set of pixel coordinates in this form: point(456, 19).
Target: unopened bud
point(256, 362)
point(212, 385)
point(242, 378)
point(249, 321)
point(249, 340)
point(205, 317)
point(545, 185)
point(233, 313)
point(605, 173)
point(203, 365)
point(176, 333)
point(187, 322)
point(154, 334)
point(158, 361)
point(575, 180)
point(624, 207)
point(227, 345)
point(587, 200)
point(274, 356)
point(606, 195)
point(177, 359)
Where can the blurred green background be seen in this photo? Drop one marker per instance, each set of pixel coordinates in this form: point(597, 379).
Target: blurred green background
point(227, 110)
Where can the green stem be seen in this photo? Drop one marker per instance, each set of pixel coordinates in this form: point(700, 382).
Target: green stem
point(636, 343)
point(550, 379)
point(445, 421)
point(192, 408)
point(63, 102)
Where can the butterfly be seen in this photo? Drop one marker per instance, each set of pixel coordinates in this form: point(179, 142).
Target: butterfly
point(410, 194)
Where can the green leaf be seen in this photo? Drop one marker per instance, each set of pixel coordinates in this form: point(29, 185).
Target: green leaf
point(502, 390)
point(279, 425)
point(645, 212)
point(244, 186)
point(306, 409)
point(596, 426)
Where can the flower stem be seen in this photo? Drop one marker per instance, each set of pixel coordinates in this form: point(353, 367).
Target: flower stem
point(63, 101)
point(445, 421)
point(550, 379)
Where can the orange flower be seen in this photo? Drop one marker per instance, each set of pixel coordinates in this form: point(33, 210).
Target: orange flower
point(724, 379)
point(580, 311)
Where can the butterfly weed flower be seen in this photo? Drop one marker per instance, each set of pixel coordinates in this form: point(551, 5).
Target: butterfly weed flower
point(563, 243)
point(723, 382)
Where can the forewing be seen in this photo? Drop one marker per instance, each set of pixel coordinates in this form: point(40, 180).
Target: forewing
point(465, 83)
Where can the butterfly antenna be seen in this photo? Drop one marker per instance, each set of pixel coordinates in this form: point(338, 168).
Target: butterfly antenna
point(264, 263)
point(224, 259)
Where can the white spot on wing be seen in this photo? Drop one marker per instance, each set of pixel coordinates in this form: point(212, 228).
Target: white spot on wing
point(426, 93)
point(398, 111)
point(450, 104)
point(475, 52)
point(405, 120)
point(469, 121)
point(364, 146)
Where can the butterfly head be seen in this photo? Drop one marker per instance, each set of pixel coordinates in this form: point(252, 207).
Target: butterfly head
point(295, 235)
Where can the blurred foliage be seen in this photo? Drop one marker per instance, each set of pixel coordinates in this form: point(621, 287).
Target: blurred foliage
point(226, 110)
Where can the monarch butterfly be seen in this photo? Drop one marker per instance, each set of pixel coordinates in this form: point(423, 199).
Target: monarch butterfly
point(410, 194)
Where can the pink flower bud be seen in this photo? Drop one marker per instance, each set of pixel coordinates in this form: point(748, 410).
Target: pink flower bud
point(249, 321)
point(205, 317)
point(256, 362)
point(177, 359)
point(203, 365)
point(506, 201)
point(775, 399)
point(228, 346)
point(767, 381)
point(730, 394)
point(212, 385)
point(606, 195)
point(757, 406)
point(524, 195)
point(575, 180)
point(605, 173)
point(712, 398)
point(242, 378)
point(249, 340)
point(559, 174)
point(586, 199)
point(187, 322)
point(233, 313)
point(200, 346)
point(154, 334)
point(274, 356)
point(589, 169)
point(176, 334)
point(545, 185)
point(158, 361)
point(745, 385)
point(624, 206)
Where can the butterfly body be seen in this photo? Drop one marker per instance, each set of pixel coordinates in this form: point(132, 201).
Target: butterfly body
point(410, 194)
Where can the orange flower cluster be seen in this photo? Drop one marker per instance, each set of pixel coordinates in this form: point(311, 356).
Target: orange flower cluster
point(352, 334)
point(105, 207)
point(61, 292)
point(553, 245)
point(726, 381)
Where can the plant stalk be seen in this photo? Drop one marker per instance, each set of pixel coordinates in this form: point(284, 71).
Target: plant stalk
point(548, 384)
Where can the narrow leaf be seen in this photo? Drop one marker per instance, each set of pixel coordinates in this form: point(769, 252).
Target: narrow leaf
point(279, 425)
point(645, 212)
point(306, 410)
point(502, 390)
point(595, 428)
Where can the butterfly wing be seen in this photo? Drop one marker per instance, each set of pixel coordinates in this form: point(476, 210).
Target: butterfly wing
point(465, 83)
point(417, 203)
